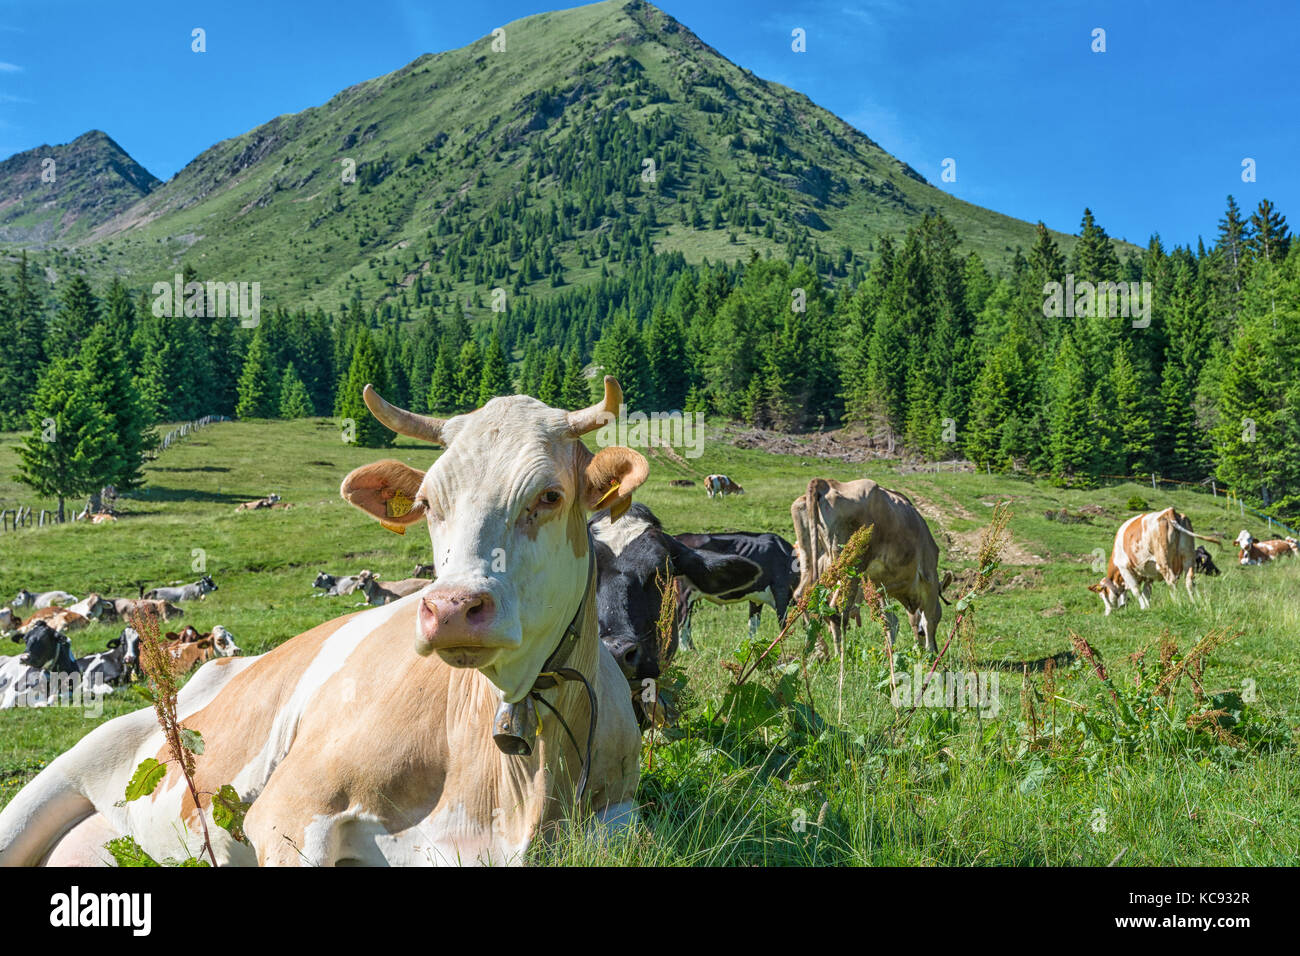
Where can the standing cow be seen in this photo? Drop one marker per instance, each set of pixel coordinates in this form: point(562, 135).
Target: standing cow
point(1149, 547)
point(722, 485)
point(902, 558)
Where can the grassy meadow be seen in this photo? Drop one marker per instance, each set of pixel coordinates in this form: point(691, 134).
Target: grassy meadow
point(805, 764)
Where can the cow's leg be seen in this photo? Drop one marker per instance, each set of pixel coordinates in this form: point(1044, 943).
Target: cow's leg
point(1187, 583)
point(83, 845)
point(755, 610)
point(930, 622)
point(1132, 584)
point(684, 631)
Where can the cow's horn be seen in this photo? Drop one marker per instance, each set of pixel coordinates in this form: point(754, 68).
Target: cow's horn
point(400, 420)
point(589, 419)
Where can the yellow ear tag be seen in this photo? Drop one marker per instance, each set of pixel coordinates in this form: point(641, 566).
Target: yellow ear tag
point(613, 490)
point(400, 504)
point(394, 527)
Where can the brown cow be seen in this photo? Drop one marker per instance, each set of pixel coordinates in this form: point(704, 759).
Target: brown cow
point(1149, 547)
point(902, 559)
point(1254, 551)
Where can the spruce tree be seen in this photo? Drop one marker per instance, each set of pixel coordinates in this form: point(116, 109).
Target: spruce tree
point(366, 367)
point(295, 401)
point(495, 379)
point(1072, 441)
point(22, 347)
point(257, 382)
point(443, 396)
point(575, 393)
point(107, 381)
point(77, 315)
point(469, 376)
point(68, 451)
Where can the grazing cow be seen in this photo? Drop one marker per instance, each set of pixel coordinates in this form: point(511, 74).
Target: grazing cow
point(333, 587)
point(22, 683)
point(722, 485)
point(1254, 551)
point(197, 591)
point(268, 502)
point(902, 558)
point(128, 608)
point(1149, 547)
point(26, 598)
point(430, 730)
point(635, 560)
point(779, 574)
point(1204, 563)
point(120, 664)
point(382, 592)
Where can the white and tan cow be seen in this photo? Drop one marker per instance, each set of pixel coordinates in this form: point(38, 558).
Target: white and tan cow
point(378, 738)
point(1149, 547)
point(1254, 551)
point(717, 485)
point(902, 558)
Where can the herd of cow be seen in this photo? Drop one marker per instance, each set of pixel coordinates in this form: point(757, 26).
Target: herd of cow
point(522, 680)
point(47, 672)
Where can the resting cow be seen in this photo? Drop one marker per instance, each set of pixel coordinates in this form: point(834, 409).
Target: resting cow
point(636, 559)
point(37, 677)
point(120, 664)
point(1205, 564)
point(188, 592)
point(777, 579)
point(411, 733)
point(333, 587)
point(26, 598)
point(1254, 551)
point(902, 558)
point(383, 592)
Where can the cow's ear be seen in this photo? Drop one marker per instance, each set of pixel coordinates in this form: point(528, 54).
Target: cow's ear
point(386, 491)
point(1095, 588)
point(709, 571)
point(610, 477)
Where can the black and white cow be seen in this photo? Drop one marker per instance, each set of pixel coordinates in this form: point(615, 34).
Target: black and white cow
point(779, 576)
point(635, 559)
point(333, 587)
point(188, 592)
point(118, 665)
point(22, 681)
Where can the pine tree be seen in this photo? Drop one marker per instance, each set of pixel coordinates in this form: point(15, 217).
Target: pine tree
point(574, 392)
point(1134, 434)
point(469, 376)
point(668, 369)
point(550, 382)
point(78, 314)
point(22, 355)
point(295, 402)
point(365, 368)
point(1072, 442)
point(107, 382)
point(1269, 238)
point(443, 395)
point(257, 382)
point(67, 453)
point(495, 379)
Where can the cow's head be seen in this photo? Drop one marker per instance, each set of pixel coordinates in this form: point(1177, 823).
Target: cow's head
point(1245, 539)
point(44, 644)
point(506, 507)
point(24, 597)
point(7, 619)
point(1112, 594)
point(207, 584)
point(637, 560)
point(129, 642)
point(223, 643)
point(323, 580)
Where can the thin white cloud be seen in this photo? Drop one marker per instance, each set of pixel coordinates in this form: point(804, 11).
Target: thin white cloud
point(9, 68)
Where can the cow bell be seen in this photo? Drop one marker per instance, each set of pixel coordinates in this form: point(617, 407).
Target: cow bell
point(515, 727)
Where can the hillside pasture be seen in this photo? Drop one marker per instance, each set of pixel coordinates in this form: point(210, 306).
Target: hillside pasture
point(790, 769)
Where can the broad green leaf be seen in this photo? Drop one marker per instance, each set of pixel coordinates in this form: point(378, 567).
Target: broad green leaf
point(129, 853)
point(146, 778)
point(192, 740)
point(228, 811)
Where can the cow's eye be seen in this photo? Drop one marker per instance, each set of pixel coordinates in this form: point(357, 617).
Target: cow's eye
point(550, 497)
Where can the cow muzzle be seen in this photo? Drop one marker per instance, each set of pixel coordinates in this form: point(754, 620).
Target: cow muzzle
point(459, 625)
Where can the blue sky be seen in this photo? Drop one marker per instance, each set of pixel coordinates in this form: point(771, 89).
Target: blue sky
point(1151, 134)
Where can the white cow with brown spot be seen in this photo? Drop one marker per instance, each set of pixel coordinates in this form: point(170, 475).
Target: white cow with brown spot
point(397, 735)
point(1149, 547)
